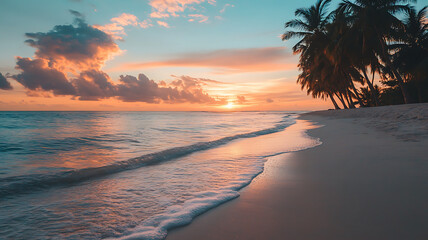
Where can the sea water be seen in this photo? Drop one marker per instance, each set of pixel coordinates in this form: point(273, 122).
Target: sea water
point(128, 175)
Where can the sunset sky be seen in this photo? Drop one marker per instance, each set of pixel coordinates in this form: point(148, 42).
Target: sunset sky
point(149, 55)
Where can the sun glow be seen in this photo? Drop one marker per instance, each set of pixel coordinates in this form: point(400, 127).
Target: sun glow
point(229, 105)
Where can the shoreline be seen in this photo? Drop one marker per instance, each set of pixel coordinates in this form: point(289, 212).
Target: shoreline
point(361, 183)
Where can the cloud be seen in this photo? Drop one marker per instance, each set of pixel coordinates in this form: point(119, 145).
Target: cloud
point(4, 84)
point(76, 13)
point(240, 99)
point(163, 24)
point(227, 5)
point(201, 81)
point(202, 18)
point(117, 26)
point(68, 61)
point(94, 85)
point(69, 47)
point(269, 100)
point(226, 61)
point(181, 90)
point(173, 8)
point(168, 8)
point(37, 75)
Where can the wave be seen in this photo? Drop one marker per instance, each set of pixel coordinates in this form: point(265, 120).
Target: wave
point(156, 227)
point(11, 186)
point(68, 144)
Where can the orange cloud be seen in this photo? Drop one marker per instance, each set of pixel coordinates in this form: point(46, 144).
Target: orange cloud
point(73, 48)
point(226, 61)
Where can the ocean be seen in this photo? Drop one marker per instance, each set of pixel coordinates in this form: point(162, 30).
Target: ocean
point(128, 175)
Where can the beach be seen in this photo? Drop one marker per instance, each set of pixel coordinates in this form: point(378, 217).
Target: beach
point(367, 180)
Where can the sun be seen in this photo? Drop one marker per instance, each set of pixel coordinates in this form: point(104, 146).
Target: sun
point(229, 105)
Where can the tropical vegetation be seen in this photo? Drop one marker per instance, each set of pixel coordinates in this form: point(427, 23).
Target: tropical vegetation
point(364, 53)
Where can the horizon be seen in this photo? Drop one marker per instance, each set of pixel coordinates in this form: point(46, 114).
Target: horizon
point(243, 68)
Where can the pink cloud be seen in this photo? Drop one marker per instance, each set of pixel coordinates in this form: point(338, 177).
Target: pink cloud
point(202, 18)
point(159, 15)
point(227, 61)
point(173, 8)
point(125, 19)
point(226, 6)
point(166, 8)
point(163, 24)
point(116, 27)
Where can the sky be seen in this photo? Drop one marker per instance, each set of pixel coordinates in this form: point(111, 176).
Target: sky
point(149, 55)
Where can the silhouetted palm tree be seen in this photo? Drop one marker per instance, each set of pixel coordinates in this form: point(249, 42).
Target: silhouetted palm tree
point(313, 21)
point(411, 53)
point(339, 52)
point(376, 20)
point(310, 28)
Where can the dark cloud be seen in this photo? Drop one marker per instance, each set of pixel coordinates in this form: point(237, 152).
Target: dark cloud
point(269, 100)
point(4, 84)
point(143, 89)
point(94, 85)
point(76, 13)
point(37, 75)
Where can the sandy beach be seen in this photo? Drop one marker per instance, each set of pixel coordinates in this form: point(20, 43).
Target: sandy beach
point(368, 180)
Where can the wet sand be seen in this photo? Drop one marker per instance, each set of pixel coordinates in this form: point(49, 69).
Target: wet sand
point(366, 181)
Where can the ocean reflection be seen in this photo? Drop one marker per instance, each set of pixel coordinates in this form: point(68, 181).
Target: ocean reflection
point(41, 142)
point(118, 204)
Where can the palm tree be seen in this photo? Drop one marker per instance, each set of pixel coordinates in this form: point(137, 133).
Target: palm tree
point(317, 79)
point(310, 28)
point(338, 51)
point(411, 53)
point(366, 94)
point(375, 20)
point(313, 22)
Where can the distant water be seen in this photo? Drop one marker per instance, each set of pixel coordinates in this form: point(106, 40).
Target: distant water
point(94, 175)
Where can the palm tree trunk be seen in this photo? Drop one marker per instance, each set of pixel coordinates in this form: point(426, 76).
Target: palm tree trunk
point(404, 90)
point(357, 95)
point(333, 101)
point(349, 99)
point(372, 89)
point(339, 96)
point(403, 87)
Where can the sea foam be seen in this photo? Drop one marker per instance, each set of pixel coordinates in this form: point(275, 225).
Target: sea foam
point(156, 227)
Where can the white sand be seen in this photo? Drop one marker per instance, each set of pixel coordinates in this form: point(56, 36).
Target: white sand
point(408, 122)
